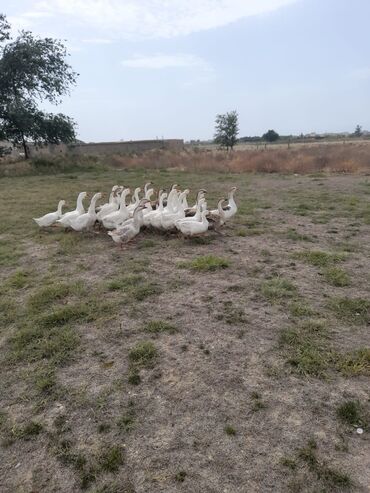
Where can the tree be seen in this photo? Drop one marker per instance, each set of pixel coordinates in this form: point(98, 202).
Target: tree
point(358, 131)
point(33, 70)
point(227, 129)
point(271, 136)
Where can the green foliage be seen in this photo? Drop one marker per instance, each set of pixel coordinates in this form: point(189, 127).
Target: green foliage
point(206, 263)
point(230, 430)
point(227, 129)
point(271, 136)
point(336, 277)
point(350, 413)
point(143, 353)
point(319, 258)
point(111, 458)
point(355, 310)
point(33, 69)
point(277, 289)
point(157, 326)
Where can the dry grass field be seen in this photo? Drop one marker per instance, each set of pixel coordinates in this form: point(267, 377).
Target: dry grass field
point(235, 363)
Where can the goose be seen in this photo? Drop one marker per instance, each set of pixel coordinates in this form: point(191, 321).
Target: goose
point(112, 197)
point(86, 221)
point(168, 219)
point(114, 219)
point(110, 206)
point(231, 209)
point(202, 205)
point(146, 187)
point(153, 218)
point(216, 217)
point(193, 228)
point(190, 211)
point(131, 228)
point(51, 217)
point(134, 200)
point(69, 216)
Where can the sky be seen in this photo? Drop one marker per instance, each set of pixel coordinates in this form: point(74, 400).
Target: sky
point(165, 68)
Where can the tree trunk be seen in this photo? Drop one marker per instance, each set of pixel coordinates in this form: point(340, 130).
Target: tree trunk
point(25, 148)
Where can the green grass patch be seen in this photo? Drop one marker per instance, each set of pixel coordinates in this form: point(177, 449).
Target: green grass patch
point(34, 343)
point(9, 253)
point(143, 353)
point(292, 234)
point(320, 258)
point(230, 430)
point(124, 283)
point(27, 431)
point(278, 289)
point(355, 363)
point(351, 413)
point(300, 309)
point(354, 310)
point(158, 326)
point(20, 279)
point(111, 458)
point(206, 263)
point(336, 276)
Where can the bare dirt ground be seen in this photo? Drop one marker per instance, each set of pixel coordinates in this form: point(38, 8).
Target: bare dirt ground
point(161, 369)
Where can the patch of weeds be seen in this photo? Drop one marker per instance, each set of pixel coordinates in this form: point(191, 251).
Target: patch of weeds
point(331, 479)
point(126, 421)
point(124, 283)
point(134, 377)
point(19, 279)
point(207, 263)
point(308, 353)
point(351, 413)
point(147, 243)
point(320, 258)
point(158, 326)
point(336, 277)
point(243, 232)
point(230, 430)
point(143, 291)
point(300, 309)
point(200, 240)
point(9, 253)
point(45, 380)
point(33, 343)
point(51, 293)
point(104, 427)
point(289, 463)
point(355, 363)
point(180, 476)
point(231, 314)
point(355, 310)
point(110, 458)
point(143, 353)
point(277, 289)
point(292, 234)
point(257, 403)
point(28, 431)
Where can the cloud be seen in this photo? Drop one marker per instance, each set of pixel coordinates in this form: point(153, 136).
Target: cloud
point(143, 19)
point(97, 41)
point(162, 61)
point(361, 73)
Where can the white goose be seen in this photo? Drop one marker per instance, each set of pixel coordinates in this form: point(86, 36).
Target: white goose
point(202, 205)
point(134, 201)
point(130, 229)
point(51, 217)
point(168, 219)
point(111, 205)
point(231, 209)
point(114, 219)
point(66, 219)
point(86, 221)
point(193, 228)
point(151, 217)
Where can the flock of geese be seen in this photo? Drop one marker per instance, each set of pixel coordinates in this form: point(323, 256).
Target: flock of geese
point(124, 218)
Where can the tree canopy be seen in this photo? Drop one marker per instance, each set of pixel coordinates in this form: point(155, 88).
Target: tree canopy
point(33, 70)
point(271, 136)
point(227, 129)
